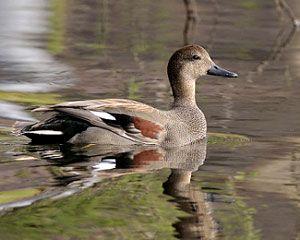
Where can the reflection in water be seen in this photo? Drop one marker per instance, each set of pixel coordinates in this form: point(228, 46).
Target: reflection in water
point(26, 67)
point(118, 49)
point(200, 225)
point(14, 111)
point(21, 54)
point(191, 21)
point(75, 168)
point(283, 38)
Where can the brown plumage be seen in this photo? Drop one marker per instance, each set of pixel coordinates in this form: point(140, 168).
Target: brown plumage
point(148, 129)
point(146, 156)
point(127, 122)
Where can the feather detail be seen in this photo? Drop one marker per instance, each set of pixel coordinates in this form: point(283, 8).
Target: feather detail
point(44, 132)
point(147, 128)
point(126, 118)
point(104, 115)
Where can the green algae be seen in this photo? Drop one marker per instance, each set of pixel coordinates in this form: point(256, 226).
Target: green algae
point(249, 4)
point(133, 90)
point(94, 46)
point(57, 25)
point(128, 207)
point(18, 194)
point(235, 218)
point(227, 139)
point(30, 98)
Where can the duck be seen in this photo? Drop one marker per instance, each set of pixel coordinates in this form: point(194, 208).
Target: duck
point(127, 122)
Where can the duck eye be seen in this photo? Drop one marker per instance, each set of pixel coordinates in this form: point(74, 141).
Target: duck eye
point(196, 57)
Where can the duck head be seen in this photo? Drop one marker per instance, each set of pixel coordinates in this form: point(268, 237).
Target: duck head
point(189, 63)
point(193, 61)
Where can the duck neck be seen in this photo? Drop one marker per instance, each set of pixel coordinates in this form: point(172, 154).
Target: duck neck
point(184, 92)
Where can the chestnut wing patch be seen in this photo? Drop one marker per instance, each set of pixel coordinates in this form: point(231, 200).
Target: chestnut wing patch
point(135, 125)
point(146, 157)
point(147, 128)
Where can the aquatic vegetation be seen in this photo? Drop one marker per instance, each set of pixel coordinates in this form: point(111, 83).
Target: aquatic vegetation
point(30, 98)
point(18, 194)
point(249, 4)
point(57, 25)
point(133, 90)
point(128, 207)
point(235, 218)
point(229, 140)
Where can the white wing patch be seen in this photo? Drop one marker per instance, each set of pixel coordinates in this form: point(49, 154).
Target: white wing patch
point(45, 132)
point(104, 115)
point(105, 164)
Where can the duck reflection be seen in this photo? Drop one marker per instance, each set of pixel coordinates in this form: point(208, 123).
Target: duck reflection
point(96, 162)
point(200, 225)
point(108, 159)
point(74, 168)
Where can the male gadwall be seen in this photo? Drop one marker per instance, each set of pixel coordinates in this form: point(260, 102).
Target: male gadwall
point(127, 122)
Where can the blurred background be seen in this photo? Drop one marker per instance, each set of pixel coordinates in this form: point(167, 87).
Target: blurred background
point(63, 50)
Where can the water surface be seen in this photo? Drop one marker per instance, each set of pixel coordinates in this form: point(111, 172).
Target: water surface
point(73, 50)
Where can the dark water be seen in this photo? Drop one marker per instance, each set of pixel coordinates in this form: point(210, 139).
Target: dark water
point(53, 51)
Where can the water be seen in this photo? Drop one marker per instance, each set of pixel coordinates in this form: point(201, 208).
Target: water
point(53, 51)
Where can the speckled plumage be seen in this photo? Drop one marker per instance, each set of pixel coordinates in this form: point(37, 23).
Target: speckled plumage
point(127, 122)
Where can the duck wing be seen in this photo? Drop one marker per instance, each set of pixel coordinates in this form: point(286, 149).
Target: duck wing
point(129, 119)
